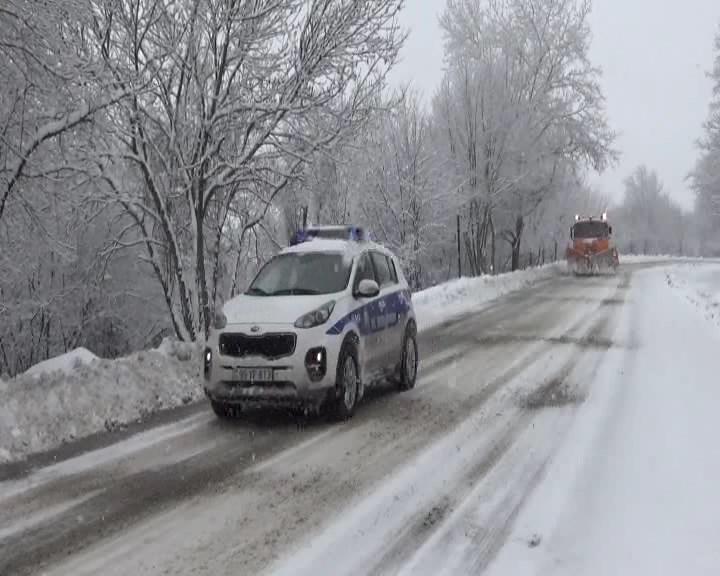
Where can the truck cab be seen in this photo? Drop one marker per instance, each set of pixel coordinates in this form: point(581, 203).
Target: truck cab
point(591, 249)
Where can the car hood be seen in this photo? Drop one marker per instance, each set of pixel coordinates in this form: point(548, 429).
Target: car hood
point(245, 309)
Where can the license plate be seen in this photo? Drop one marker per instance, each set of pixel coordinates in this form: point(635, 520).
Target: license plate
point(253, 374)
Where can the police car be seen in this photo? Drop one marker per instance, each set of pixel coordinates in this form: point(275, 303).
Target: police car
point(322, 320)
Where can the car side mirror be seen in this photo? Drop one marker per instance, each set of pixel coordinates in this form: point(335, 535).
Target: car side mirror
point(610, 230)
point(367, 289)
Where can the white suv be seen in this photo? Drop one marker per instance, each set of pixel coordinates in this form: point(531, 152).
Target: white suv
point(321, 321)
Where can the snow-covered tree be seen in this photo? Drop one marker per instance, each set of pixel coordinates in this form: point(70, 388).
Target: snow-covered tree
point(649, 221)
point(705, 178)
point(53, 83)
point(402, 200)
point(520, 101)
point(230, 101)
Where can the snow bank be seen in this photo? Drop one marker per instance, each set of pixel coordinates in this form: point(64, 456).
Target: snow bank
point(64, 363)
point(457, 297)
point(172, 348)
point(42, 409)
point(645, 258)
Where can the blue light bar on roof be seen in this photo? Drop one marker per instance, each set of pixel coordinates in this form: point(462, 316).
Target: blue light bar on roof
point(355, 233)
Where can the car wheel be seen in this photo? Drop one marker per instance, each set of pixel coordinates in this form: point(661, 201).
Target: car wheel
point(409, 359)
point(347, 382)
point(225, 411)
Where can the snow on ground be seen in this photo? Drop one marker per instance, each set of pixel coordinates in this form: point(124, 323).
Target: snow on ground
point(42, 409)
point(64, 363)
point(643, 258)
point(633, 488)
point(648, 259)
point(440, 303)
point(699, 285)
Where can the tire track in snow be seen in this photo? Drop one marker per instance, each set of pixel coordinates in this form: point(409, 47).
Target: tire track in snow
point(432, 516)
point(470, 537)
point(407, 512)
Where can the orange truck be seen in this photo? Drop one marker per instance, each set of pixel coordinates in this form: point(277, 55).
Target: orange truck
point(591, 249)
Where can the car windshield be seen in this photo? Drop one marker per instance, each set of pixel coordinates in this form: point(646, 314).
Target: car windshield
point(302, 274)
point(592, 229)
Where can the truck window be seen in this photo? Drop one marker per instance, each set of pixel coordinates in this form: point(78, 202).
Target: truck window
point(590, 229)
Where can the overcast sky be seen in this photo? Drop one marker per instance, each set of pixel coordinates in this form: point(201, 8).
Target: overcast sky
point(654, 55)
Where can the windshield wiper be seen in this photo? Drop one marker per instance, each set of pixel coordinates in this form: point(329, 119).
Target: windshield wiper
point(255, 291)
point(295, 292)
point(305, 292)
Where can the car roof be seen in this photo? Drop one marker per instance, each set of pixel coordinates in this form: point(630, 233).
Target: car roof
point(349, 247)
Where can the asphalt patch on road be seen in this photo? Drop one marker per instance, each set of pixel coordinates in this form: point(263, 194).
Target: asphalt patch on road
point(612, 302)
point(436, 514)
point(555, 393)
point(591, 340)
point(568, 298)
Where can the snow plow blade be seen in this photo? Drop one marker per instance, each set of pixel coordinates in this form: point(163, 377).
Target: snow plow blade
point(592, 264)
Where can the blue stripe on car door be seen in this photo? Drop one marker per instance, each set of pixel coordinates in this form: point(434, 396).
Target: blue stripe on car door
point(366, 318)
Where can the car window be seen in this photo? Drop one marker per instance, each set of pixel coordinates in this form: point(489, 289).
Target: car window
point(364, 270)
point(393, 270)
point(382, 270)
point(297, 274)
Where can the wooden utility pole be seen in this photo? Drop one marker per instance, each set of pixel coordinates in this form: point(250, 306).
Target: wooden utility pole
point(459, 255)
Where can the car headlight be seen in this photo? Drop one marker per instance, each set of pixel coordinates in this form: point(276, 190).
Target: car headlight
point(220, 320)
point(316, 317)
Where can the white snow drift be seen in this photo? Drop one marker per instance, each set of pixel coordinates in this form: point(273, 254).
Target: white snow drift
point(43, 408)
point(64, 363)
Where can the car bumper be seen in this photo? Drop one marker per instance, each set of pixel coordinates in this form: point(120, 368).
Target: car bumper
point(291, 385)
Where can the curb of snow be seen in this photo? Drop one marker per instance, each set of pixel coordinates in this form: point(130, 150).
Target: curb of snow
point(643, 258)
point(457, 297)
point(41, 411)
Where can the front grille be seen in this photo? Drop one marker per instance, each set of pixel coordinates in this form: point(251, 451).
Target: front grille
point(270, 346)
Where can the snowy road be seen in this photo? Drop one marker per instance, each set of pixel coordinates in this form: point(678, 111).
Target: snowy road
point(570, 428)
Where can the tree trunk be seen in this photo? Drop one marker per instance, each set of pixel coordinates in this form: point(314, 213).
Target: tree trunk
point(492, 245)
point(459, 252)
point(203, 320)
point(519, 226)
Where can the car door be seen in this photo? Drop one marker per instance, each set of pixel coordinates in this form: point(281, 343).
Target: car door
point(368, 309)
point(388, 321)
